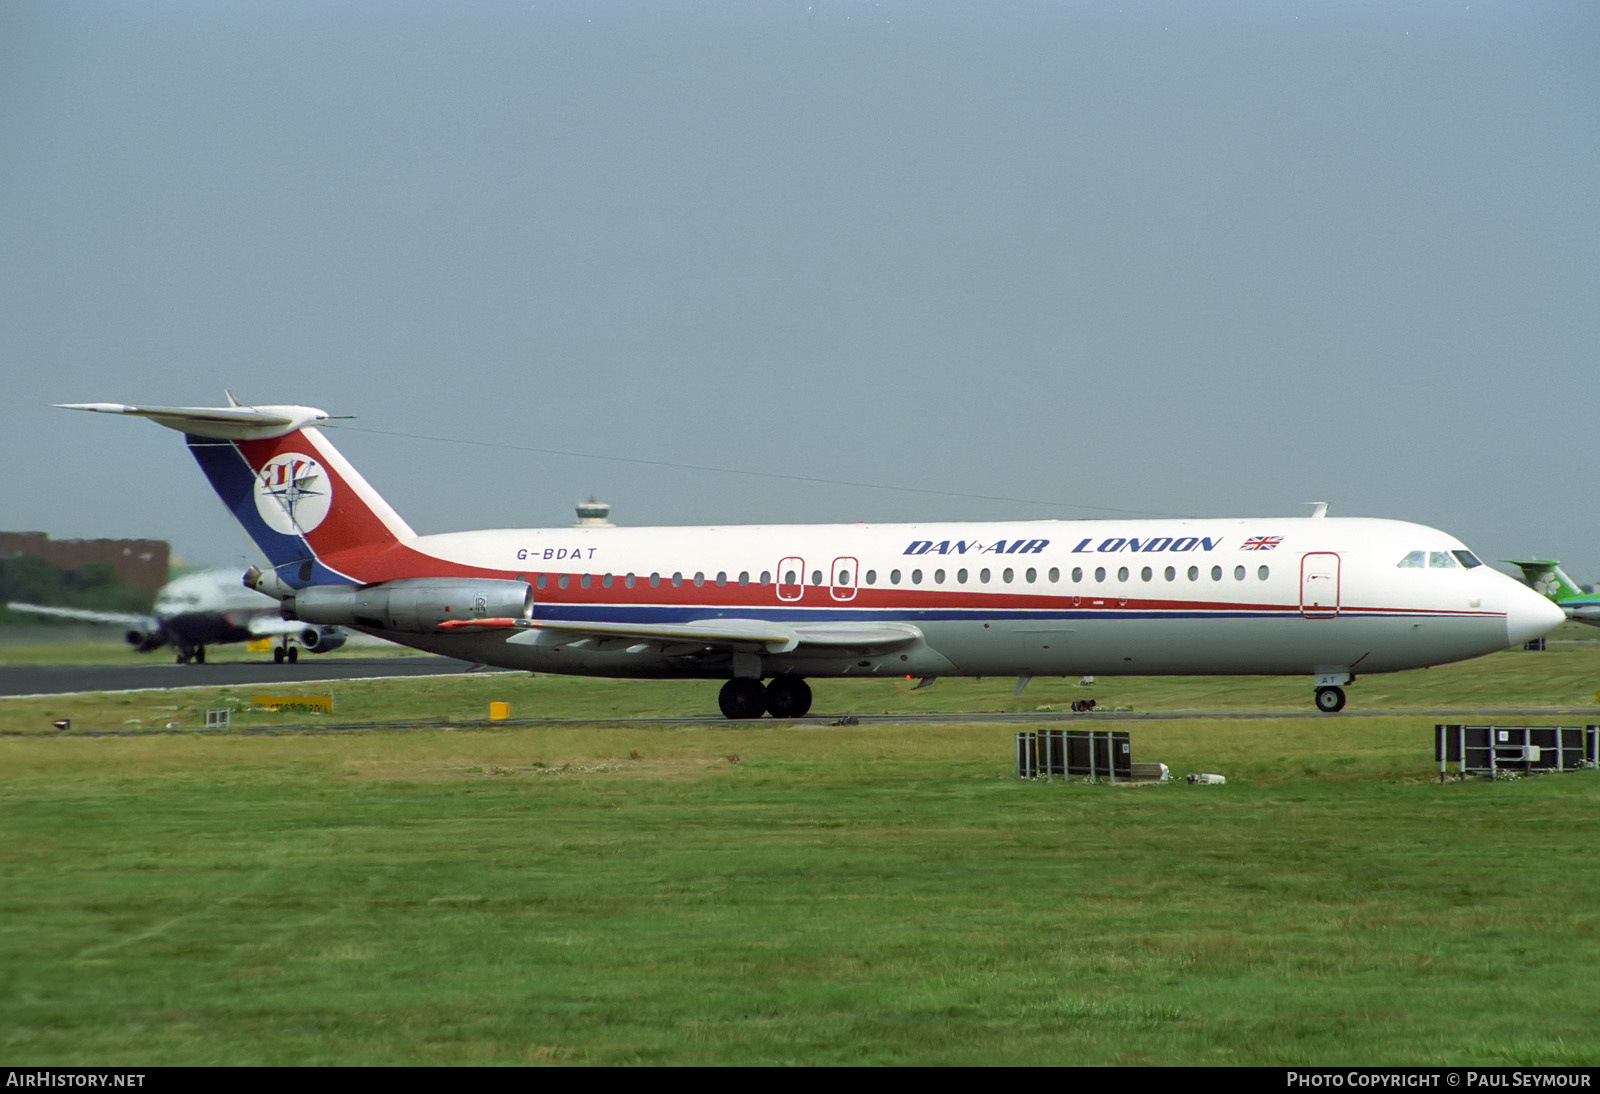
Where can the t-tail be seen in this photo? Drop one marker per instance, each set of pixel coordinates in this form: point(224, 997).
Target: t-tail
point(310, 512)
point(1546, 577)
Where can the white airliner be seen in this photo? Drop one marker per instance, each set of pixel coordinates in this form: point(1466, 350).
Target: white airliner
point(207, 608)
point(1318, 596)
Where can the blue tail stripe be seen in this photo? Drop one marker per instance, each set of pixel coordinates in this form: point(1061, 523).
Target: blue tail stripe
point(234, 480)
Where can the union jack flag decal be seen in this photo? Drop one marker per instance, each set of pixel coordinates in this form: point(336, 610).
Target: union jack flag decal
point(1261, 543)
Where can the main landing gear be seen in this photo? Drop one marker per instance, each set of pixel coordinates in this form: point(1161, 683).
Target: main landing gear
point(784, 697)
point(285, 652)
point(186, 654)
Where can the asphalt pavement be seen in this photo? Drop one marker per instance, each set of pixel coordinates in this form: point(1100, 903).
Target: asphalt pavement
point(65, 679)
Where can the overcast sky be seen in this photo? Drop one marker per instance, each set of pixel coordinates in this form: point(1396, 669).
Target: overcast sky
point(982, 260)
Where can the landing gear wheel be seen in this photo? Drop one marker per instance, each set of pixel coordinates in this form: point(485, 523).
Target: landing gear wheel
point(200, 655)
point(293, 654)
point(788, 697)
point(742, 698)
point(183, 658)
point(1330, 700)
point(277, 655)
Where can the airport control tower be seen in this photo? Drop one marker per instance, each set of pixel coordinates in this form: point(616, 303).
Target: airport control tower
point(594, 514)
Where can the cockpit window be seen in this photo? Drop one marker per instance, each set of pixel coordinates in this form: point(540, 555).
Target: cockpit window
point(1439, 560)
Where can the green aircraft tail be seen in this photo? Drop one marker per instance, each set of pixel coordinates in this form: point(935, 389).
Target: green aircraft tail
point(1547, 578)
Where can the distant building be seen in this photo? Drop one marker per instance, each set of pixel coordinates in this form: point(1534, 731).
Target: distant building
point(141, 562)
point(594, 514)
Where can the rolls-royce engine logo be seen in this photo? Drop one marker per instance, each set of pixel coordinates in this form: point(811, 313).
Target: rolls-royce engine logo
point(292, 493)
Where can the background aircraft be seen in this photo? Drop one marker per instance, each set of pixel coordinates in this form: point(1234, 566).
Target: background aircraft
point(206, 608)
point(1321, 596)
point(1547, 578)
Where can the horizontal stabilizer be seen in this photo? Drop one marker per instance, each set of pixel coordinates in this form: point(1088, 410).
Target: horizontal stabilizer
point(229, 423)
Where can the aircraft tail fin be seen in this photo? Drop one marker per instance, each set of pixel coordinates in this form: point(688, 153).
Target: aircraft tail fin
point(1547, 578)
point(308, 510)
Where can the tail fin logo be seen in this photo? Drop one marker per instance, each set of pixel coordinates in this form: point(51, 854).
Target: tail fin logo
point(293, 493)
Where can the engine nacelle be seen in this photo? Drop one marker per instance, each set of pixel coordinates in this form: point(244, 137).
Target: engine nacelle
point(322, 639)
point(412, 604)
point(145, 639)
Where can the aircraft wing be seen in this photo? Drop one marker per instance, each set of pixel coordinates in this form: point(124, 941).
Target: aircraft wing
point(268, 625)
point(86, 615)
point(749, 635)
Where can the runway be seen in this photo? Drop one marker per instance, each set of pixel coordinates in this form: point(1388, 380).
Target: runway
point(23, 680)
point(17, 680)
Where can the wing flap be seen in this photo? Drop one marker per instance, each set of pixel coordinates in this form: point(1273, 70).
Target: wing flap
point(725, 633)
point(746, 635)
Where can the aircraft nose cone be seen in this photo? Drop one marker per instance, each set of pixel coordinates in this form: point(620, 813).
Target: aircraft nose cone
point(1530, 615)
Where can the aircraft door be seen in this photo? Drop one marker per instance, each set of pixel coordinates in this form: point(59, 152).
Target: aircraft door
point(843, 583)
point(1319, 585)
point(791, 578)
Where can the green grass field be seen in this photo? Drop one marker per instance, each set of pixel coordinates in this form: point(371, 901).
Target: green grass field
point(768, 893)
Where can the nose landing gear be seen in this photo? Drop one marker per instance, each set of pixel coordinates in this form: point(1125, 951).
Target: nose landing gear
point(1329, 683)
